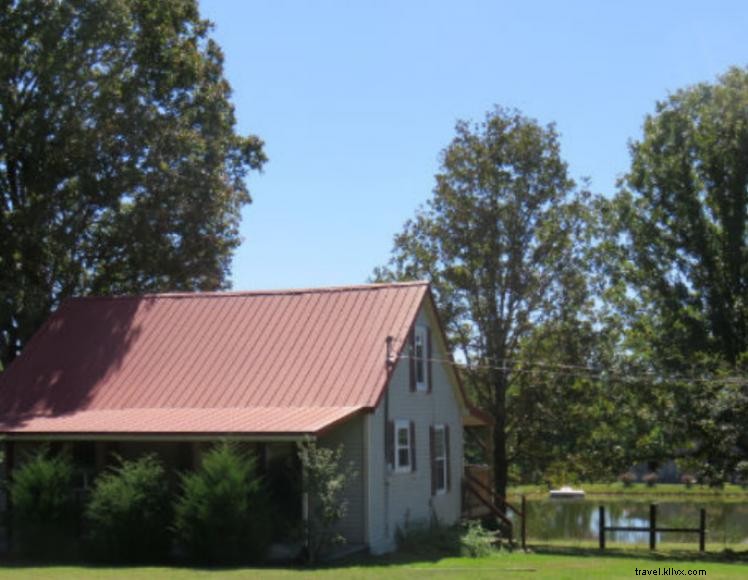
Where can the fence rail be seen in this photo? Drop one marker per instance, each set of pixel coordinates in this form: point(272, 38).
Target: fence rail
point(652, 529)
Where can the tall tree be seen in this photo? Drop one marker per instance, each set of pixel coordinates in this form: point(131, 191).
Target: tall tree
point(679, 226)
point(503, 241)
point(120, 166)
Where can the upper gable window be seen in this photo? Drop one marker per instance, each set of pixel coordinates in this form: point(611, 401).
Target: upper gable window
point(420, 341)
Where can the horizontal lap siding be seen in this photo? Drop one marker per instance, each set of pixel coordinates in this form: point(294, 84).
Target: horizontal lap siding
point(402, 499)
point(351, 435)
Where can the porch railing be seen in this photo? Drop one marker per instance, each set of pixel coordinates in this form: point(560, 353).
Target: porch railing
point(479, 493)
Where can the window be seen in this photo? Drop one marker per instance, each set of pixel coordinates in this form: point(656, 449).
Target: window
point(419, 356)
point(402, 446)
point(440, 459)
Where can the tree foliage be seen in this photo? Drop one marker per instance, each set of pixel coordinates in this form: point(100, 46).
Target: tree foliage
point(682, 218)
point(120, 167)
point(504, 241)
point(679, 235)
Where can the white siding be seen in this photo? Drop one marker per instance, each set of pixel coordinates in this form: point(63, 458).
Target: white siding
point(399, 499)
point(351, 435)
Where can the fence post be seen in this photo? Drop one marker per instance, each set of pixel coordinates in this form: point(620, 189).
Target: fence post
point(652, 526)
point(601, 528)
point(702, 531)
point(524, 523)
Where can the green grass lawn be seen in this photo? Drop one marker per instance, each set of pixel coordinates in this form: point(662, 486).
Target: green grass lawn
point(582, 564)
point(729, 492)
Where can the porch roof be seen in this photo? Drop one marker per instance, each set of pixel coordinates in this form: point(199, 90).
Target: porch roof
point(226, 421)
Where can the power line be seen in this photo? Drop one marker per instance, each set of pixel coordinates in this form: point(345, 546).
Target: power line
point(566, 370)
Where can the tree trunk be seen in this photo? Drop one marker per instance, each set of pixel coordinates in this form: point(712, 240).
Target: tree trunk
point(500, 464)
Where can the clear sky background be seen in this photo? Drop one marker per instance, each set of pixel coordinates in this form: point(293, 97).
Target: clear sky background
point(355, 101)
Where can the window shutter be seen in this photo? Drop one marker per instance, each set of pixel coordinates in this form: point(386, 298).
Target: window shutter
point(432, 450)
point(412, 446)
point(412, 359)
point(429, 381)
point(449, 462)
point(389, 444)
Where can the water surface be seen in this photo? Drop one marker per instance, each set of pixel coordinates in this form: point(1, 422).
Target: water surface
point(577, 520)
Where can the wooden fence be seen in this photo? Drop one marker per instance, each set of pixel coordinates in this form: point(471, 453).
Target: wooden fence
point(652, 529)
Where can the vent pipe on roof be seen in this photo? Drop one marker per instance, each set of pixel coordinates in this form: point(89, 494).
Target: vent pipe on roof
point(390, 354)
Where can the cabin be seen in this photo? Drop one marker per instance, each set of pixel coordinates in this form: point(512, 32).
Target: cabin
point(366, 367)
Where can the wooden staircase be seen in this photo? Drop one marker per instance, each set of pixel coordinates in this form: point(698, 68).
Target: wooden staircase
point(476, 491)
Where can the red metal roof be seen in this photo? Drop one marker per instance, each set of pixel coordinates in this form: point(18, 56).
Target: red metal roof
point(236, 362)
point(254, 421)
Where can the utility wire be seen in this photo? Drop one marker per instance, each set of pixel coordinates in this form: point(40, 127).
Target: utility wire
point(558, 369)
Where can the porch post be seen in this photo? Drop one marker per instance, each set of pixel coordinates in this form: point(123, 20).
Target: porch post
point(196, 455)
point(305, 509)
point(100, 451)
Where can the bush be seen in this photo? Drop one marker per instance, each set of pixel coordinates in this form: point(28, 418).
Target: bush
point(469, 539)
point(560, 473)
point(428, 539)
point(45, 514)
point(221, 516)
point(627, 478)
point(476, 541)
point(741, 471)
point(325, 480)
point(688, 480)
point(129, 512)
point(650, 478)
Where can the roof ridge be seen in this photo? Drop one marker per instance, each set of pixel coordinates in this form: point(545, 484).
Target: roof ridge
point(239, 293)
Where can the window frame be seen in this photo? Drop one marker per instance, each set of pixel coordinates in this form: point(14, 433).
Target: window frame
point(420, 339)
point(440, 430)
point(402, 424)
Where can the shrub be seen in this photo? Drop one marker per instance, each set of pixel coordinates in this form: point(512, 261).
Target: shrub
point(627, 478)
point(476, 541)
point(325, 480)
point(44, 508)
point(741, 471)
point(221, 515)
point(469, 539)
point(129, 512)
point(715, 482)
point(650, 478)
point(426, 539)
point(560, 473)
point(688, 479)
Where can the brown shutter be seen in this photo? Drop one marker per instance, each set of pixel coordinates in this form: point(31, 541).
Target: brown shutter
point(432, 450)
point(412, 359)
point(429, 380)
point(449, 463)
point(389, 443)
point(412, 446)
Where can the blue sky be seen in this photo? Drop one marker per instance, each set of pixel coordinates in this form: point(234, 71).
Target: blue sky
point(355, 101)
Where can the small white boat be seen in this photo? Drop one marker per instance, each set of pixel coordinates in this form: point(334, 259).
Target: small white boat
point(567, 492)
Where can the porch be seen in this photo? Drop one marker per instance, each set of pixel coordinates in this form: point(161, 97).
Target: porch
point(479, 499)
point(277, 463)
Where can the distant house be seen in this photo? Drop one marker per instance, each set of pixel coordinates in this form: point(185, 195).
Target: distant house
point(366, 366)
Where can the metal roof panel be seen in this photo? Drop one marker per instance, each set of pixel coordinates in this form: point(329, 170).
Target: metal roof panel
point(151, 356)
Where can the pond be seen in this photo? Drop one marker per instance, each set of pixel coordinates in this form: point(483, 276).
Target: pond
point(577, 521)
